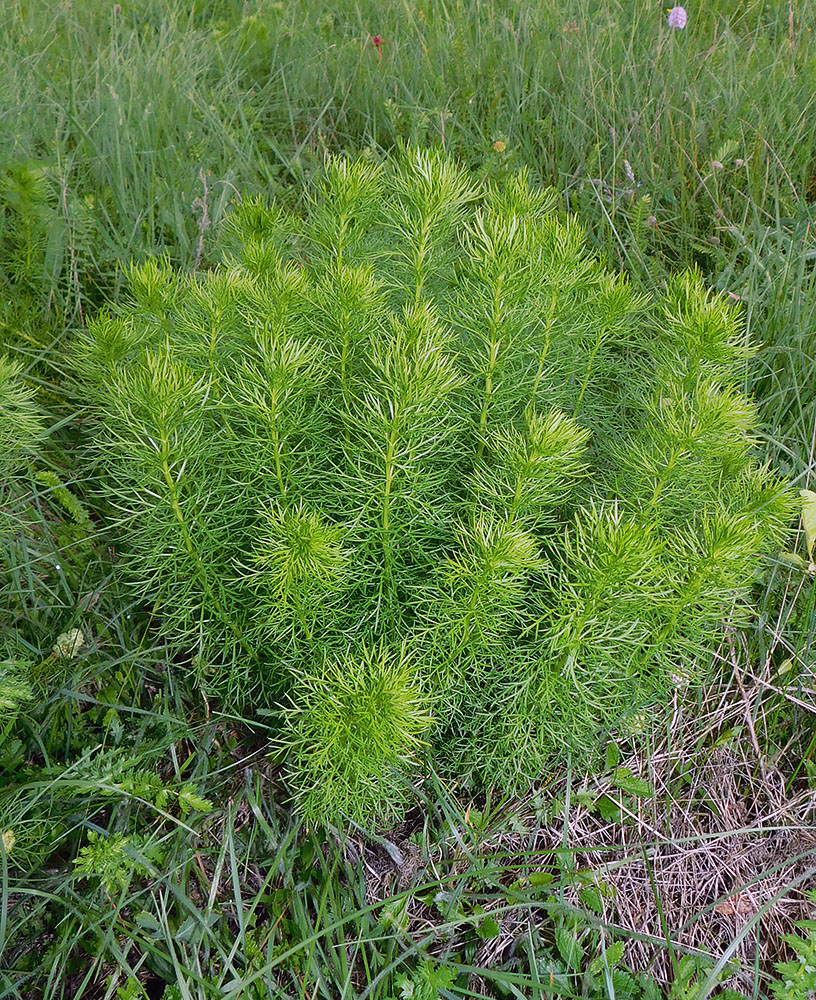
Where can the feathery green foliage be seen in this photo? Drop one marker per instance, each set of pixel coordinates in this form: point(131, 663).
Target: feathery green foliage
point(797, 977)
point(425, 418)
point(35, 535)
point(353, 734)
point(20, 422)
point(683, 148)
point(21, 428)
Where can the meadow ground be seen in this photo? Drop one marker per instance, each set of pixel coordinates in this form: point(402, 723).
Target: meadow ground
point(146, 839)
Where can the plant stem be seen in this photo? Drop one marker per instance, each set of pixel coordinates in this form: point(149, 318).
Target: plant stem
point(661, 482)
point(419, 269)
point(494, 348)
point(543, 356)
point(174, 503)
point(588, 373)
point(188, 545)
point(386, 505)
point(276, 444)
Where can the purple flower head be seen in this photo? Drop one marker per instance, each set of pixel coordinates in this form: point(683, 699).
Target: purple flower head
point(677, 18)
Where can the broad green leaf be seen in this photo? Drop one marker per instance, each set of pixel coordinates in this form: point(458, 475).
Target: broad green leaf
point(609, 809)
point(729, 736)
point(395, 914)
point(569, 947)
point(591, 897)
point(540, 878)
point(536, 880)
point(488, 928)
point(612, 755)
point(609, 959)
point(625, 985)
point(585, 798)
point(476, 819)
point(630, 783)
point(147, 922)
point(793, 559)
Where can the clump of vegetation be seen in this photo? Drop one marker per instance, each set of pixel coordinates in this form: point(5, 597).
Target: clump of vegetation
point(797, 977)
point(20, 421)
point(21, 428)
point(33, 501)
point(40, 230)
point(421, 467)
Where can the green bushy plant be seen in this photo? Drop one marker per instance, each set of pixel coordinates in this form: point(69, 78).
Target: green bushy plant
point(420, 456)
point(21, 428)
point(30, 247)
point(20, 421)
point(41, 519)
point(45, 536)
point(33, 255)
point(797, 976)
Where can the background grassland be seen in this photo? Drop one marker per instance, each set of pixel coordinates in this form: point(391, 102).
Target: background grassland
point(129, 110)
point(127, 129)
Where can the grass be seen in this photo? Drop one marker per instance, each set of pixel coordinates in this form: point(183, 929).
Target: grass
point(128, 129)
point(251, 96)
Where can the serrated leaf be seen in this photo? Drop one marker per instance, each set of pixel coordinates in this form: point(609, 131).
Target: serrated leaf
point(475, 819)
point(585, 798)
point(615, 952)
point(624, 984)
point(809, 519)
point(612, 755)
point(147, 922)
point(609, 959)
point(430, 978)
point(609, 809)
point(559, 982)
point(189, 801)
point(407, 987)
point(591, 897)
point(449, 904)
point(113, 722)
point(488, 928)
point(569, 947)
point(631, 784)
point(395, 914)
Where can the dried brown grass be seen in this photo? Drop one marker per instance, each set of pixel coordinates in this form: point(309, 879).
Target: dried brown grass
point(716, 862)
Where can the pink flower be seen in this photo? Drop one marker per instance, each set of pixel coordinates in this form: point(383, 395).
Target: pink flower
point(677, 18)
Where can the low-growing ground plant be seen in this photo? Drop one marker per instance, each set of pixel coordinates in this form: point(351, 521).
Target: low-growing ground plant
point(419, 468)
point(42, 520)
point(20, 422)
point(21, 427)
